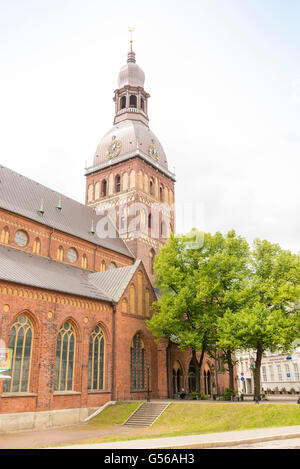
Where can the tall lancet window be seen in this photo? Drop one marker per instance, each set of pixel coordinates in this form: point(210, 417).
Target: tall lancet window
point(137, 363)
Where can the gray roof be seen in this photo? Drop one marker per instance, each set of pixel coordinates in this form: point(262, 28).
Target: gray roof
point(23, 196)
point(36, 271)
point(114, 281)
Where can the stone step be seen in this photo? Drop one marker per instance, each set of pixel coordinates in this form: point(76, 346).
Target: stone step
point(146, 414)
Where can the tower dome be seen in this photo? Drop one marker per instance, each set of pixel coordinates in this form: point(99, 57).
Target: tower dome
point(131, 74)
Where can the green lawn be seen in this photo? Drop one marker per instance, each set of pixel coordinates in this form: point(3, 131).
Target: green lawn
point(187, 419)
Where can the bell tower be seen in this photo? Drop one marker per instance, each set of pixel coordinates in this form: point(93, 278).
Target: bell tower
point(129, 179)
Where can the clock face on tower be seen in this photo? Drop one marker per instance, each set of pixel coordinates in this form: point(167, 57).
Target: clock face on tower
point(113, 149)
point(152, 151)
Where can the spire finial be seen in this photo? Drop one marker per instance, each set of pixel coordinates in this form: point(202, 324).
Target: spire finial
point(131, 54)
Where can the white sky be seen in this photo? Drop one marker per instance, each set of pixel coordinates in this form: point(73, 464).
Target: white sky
point(224, 79)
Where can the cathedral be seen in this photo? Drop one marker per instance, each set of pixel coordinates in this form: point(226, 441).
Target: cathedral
point(76, 281)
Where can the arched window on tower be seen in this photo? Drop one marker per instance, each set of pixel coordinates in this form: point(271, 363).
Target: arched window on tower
point(104, 188)
point(133, 101)
point(151, 261)
point(123, 102)
point(161, 194)
point(149, 221)
point(118, 183)
point(163, 229)
point(142, 104)
point(151, 187)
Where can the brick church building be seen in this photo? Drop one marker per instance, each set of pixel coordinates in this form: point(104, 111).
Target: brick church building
point(76, 281)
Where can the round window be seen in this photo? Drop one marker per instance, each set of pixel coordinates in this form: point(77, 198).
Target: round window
point(72, 255)
point(21, 238)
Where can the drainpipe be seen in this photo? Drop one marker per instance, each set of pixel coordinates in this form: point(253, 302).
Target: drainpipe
point(168, 368)
point(113, 352)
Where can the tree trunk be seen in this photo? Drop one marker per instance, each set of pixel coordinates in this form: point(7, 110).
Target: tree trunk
point(259, 354)
point(230, 369)
point(198, 365)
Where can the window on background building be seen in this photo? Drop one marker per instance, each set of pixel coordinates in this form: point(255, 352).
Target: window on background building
point(279, 372)
point(20, 341)
point(287, 370)
point(264, 374)
point(296, 371)
point(36, 246)
point(137, 363)
point(5, 235)
point(96, 360)
point(271, 370)
point(65, 358)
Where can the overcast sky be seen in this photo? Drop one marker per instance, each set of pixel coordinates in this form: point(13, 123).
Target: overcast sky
point(224, 80)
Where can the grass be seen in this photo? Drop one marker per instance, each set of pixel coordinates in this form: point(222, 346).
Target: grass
point(114, 415)
point(189, 419)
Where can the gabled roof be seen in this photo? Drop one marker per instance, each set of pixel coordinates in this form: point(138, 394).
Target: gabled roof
point(36, 271)
point(114, 281)
point(23, 196)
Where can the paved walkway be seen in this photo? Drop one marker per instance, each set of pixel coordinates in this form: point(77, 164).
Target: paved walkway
point(200, 441)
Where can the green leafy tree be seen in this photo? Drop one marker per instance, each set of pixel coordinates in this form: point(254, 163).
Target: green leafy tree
point(194, 280)
point(266, 311)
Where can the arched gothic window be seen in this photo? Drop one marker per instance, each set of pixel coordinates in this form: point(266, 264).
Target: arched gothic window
point(103, 266)
point(140, 293)
point(137, 363)
point(84, 262)
point(36, 246)
point(90, 193)
point(133, 101)
point(118, 183)
point(97, 190)
point(112, 266)
point(104, 188)
point(142, 104)
point(151, 187)
point(65, 358)
point(132, 299)
point(20, 341)
point(96, 360)
point(147, 302)
point(161, 194)
point(60, 254)
point(5, 235)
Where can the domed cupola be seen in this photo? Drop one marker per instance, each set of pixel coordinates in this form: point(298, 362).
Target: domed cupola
point(131, 99)
point(131, 74)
